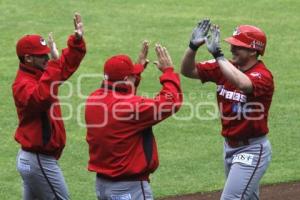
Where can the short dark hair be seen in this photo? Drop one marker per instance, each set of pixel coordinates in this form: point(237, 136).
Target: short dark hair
point(257, 54)
point(22, 59)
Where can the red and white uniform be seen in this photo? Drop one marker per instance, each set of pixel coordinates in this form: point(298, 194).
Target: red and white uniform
point(243, 116)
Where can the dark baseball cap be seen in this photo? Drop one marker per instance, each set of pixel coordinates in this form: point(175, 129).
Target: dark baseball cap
point(117, 67)
point(32, 45)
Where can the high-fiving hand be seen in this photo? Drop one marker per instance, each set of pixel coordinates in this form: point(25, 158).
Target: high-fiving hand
point(164, 58)
point(199, 34)
point(142, 59)
point(78, 25)
point(213, 42)
point(78, 34)
point(53, 50)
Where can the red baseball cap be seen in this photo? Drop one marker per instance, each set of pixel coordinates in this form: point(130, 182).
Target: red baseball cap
point(249, 37)
point(32, 45)
point(117, 67)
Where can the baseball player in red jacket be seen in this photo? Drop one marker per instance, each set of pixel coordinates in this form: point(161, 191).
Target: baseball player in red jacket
point(122, 147)
point(40, 131)
point(244, 94)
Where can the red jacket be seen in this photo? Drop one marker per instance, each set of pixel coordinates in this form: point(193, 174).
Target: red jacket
point(39, 129)
point(119, 128)
point(243, 116)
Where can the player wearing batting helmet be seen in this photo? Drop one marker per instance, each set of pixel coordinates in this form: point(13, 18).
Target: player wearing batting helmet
point(244, 94)
point(122, 147)
point(40, 131)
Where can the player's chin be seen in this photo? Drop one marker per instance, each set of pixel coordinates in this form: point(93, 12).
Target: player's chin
point(235, 59)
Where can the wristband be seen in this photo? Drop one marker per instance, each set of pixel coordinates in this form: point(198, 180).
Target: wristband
point(218, 53)
point(193, 47)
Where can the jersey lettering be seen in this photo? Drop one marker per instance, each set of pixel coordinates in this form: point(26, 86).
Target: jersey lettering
point(227, 94)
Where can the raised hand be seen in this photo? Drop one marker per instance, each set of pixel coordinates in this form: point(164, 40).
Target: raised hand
point(53, 50)
point(163, 58)
point(213, 43)
point(78, 25)
point(142, 59)
point(199, 34)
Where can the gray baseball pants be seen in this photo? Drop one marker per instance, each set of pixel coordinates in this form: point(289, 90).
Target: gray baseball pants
point(42, 177)
point(244, 168)
point(122, 190)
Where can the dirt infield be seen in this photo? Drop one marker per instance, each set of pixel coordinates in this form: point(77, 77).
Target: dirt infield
point(284, 191)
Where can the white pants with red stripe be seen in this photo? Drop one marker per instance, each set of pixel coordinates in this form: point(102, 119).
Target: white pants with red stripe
point(244, 168)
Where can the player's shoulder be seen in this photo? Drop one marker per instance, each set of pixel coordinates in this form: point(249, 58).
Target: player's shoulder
point(263, 68)
point(94, 94)
point(260, 70)
point(24, 80)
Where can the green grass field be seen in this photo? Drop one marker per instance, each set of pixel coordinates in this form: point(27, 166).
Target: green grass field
point(190, 150)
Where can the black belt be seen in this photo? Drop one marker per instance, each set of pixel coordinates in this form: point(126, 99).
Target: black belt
point(234, 143)
point(237, 143)
point(131, 178)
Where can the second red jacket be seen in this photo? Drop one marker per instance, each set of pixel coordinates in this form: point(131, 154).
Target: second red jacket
point(119, 128)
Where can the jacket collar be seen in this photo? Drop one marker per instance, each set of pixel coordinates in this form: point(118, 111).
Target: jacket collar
point(118, 87)
point(36, 72)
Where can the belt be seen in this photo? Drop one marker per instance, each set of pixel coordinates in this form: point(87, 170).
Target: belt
point(234, 143)
point(40, 152)
point(116, 179)
point(237, 143)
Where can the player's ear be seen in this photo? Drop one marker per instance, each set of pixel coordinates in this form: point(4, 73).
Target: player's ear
point(130, 79)
point(253, 53)
point(28, 58)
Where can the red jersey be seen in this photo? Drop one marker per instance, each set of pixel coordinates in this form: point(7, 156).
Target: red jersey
point(40, 127)
point(119, 128)
point(243, 116)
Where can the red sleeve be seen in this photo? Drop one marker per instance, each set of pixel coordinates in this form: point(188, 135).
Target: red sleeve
point(209, 71)
point(167, 102)
point(38, 96)
point(72, 56)
point(262, 82)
